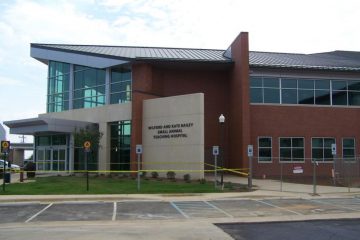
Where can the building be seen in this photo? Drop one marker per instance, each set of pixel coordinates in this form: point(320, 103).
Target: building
point(290, 107)
point(2, 132)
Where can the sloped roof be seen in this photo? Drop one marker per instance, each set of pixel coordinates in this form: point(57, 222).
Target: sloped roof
point(133, 53)
point(337, 60)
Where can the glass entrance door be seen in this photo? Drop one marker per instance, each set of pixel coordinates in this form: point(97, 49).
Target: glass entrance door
point(51, 159)
point(59, 159)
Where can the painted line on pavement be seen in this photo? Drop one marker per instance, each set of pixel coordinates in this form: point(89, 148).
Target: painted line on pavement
point(219, 209)
point(38, 213)
point(272, 205)
point(114, 212)
point(179, 210)
point(334, 205)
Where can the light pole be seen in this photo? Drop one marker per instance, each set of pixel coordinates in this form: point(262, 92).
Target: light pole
point(222, 134)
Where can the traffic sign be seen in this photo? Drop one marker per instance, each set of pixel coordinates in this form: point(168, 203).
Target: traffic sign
point(333, 149)
point(5, 146)
point(139, 149)
point(215, 150)
point(250, 151)
point(87, 146)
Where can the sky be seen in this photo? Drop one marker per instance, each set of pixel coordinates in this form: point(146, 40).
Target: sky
point(306, 26)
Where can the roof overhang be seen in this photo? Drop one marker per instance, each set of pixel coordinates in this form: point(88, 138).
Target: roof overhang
point(40, 125)
point(78, 58)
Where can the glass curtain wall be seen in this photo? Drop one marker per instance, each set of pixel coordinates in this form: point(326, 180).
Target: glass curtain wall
point(89, 87)
point(120, 88)
point(58, 87)
point(120, 145)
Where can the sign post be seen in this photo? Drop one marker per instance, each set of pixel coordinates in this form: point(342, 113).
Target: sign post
point(5, 148)
point(139, 151)
point(87, 149)
point(215, 151)
point(250, 152)
point(333, 152)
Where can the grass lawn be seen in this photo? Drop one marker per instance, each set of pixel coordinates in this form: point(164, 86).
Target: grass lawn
point(106, 185)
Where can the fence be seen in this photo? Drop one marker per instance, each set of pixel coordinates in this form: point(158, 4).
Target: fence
point(308, 176)
point(313, 177)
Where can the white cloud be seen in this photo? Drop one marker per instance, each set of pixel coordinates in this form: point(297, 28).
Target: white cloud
point(6, 82)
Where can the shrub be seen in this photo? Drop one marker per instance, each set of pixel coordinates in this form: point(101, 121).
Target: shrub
point(170, 175)
point(30, 169)
point(154, 175)
point(202, 181)
point(143, 174)
point(187, 177)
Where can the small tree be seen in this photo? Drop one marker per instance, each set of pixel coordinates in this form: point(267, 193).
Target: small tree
point(89, 133)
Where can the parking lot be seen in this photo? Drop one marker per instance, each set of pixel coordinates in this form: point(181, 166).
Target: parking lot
point(165, 210)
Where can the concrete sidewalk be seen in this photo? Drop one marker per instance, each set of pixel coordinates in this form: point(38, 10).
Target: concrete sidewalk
point(263, 188)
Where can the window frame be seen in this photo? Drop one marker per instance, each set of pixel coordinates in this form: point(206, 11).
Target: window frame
point(342, 152)
point(258, 149)
point(323, 158)
point(291, 148)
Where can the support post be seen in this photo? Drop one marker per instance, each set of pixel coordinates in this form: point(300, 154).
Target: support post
point(250, 174)
point(314, 178)
point(4, 171)
point(215, 171)
point(87, 171)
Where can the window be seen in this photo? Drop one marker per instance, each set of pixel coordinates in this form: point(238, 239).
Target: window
point(58, 87)
point(289, 91)
point(120, 145)
point(292, 149)
point(339, 92)
point(335, 92)
point(321, 149)
point(348, 148)
point(354, 93)
point(322, 92)
point(120, 87)
point(264, 149)
point(89, 87)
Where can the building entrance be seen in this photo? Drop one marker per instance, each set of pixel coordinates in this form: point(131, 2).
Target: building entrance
point(51, 159)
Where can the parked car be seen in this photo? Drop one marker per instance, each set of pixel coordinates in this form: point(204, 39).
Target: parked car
point(13, 167)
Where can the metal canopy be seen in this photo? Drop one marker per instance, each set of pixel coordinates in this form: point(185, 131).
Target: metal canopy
point(38, 125)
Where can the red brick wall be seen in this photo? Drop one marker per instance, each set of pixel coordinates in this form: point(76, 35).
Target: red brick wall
point(302, 121)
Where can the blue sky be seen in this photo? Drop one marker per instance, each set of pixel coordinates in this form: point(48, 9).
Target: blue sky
point(306, 26)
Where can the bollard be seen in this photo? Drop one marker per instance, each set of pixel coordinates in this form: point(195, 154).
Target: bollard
point(21, 174)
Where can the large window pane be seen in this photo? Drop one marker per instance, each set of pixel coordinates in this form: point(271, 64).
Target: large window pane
point(322, 84)
point(339, 98)
point(120, 88)
point(255, 82)
point(256, 95)
point(271, 95)
point(339, 85)
point(322, 97)
point(289, 96)
point(288, 83)
point(89, 87)
point(271, 82)
point(306, 84)
point(354, 98)
point(354, 85)
point(58, 87)
point(306, 96)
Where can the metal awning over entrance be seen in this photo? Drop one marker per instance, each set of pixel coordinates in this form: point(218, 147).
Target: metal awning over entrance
point(33, 126)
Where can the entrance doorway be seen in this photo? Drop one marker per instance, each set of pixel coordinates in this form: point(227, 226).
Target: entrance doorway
point(51, 159)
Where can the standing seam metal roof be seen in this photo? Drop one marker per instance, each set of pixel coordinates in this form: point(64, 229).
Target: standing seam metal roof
point(337, 60)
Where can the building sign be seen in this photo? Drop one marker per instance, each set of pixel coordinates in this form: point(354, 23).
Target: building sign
point(172, 130)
